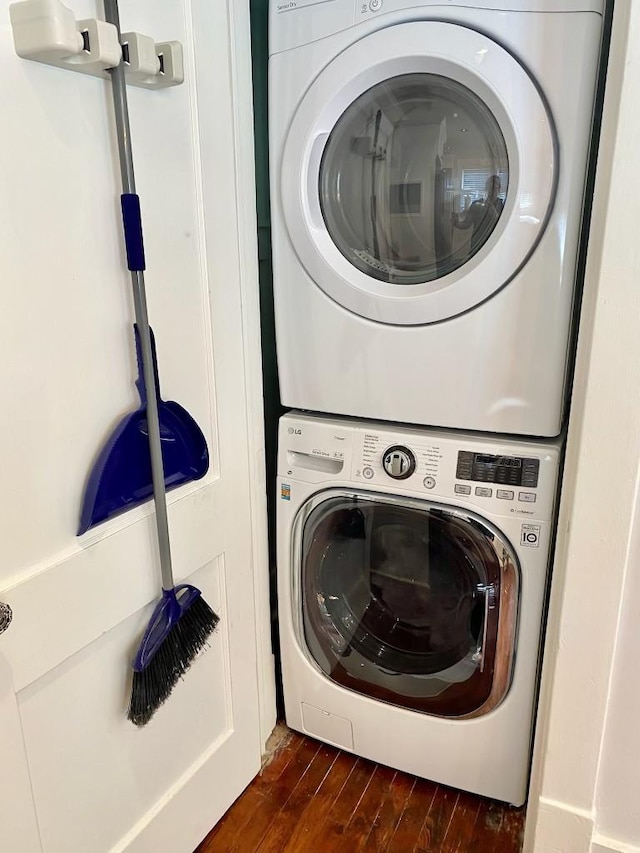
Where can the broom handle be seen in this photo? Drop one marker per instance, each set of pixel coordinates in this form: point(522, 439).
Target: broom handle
point(135, 257)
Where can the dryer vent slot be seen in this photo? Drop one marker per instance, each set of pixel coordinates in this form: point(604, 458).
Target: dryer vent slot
point(311, 462)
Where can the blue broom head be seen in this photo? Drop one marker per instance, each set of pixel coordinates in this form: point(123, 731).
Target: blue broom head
point(179, 628)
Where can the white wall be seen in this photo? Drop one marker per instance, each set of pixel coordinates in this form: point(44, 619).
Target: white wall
point(617, 807)
point(578, 787)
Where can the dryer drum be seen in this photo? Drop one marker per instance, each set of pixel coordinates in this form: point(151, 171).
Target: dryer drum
point(404, 604)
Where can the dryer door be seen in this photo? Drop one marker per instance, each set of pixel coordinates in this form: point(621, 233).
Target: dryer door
point(406, 601)
point(418, 173)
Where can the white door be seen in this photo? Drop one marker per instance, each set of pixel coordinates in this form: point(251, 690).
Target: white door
point(418, 173)
point(75, 776)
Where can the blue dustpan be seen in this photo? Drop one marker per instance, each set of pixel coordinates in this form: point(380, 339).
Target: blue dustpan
point(121, 477)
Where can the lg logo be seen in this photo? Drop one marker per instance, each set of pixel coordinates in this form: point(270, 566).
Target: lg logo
point(294, 431)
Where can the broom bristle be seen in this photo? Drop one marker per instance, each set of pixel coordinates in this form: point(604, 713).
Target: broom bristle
point(153, 685)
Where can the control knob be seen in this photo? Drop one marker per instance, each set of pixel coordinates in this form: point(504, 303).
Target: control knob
point(6, 615)
point(399, 462)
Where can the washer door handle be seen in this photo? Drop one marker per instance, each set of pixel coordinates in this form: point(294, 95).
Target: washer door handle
point(489, 591)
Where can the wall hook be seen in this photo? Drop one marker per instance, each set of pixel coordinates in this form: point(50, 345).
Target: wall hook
point(46, 31)
point(151, 65)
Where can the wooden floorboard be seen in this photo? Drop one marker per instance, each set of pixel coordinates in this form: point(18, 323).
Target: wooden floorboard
point(308, 830)
point(390, 812)
point(312, 797)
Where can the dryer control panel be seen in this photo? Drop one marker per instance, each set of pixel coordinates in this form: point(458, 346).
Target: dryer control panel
point(294, 23)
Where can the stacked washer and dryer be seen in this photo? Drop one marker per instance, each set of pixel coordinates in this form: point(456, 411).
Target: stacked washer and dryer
point(428, 165)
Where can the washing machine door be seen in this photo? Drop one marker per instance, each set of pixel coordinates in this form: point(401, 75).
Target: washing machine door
point(418, 173)
point(409, 602)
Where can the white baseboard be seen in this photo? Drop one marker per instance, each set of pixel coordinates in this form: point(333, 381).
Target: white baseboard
point(601, 844)
point(561, 828)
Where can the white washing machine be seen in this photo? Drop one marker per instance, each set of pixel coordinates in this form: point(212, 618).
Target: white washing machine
point(412, 569)
point(428, 166)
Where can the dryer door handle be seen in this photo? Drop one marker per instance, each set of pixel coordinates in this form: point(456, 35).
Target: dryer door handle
point(313, 181)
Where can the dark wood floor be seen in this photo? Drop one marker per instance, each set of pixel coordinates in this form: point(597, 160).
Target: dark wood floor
point(312, 797)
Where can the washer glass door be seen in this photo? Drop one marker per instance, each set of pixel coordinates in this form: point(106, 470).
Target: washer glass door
point(409, 602)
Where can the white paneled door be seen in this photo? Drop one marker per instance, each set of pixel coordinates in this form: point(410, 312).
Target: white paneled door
point(75, 776)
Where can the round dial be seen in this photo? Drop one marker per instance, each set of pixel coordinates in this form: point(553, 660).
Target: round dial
point(399, 462)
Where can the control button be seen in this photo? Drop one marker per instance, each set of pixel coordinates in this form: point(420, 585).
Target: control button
point(481, 492)
point(367, 473)
point(375, 5)
point(527, 497)
point(429, 483)
point(399, 462)
point(462, 490)
point(504, 494)
point(530, 472)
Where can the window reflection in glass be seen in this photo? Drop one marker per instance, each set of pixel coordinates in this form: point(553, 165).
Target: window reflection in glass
point(413, 178)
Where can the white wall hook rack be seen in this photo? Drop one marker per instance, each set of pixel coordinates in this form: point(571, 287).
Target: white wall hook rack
point(152, 65)
point(47, 31)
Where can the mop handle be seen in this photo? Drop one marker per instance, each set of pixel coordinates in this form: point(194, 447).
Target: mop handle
point(132, 224)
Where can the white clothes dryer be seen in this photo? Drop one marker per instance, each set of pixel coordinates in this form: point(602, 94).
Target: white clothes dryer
point(428, 165)
point(412, 569)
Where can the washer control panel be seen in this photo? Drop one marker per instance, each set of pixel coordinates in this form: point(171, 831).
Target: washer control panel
point(399, 462)
point(508, 479)
point(493, 475)
point(378, 457)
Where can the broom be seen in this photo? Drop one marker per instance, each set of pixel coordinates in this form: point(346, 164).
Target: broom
point(182, 621)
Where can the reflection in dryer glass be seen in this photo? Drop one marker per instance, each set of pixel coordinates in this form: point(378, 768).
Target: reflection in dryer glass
point(413, 178)
point(413, 606)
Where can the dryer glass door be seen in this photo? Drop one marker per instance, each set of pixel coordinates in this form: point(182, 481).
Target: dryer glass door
point(414, 178)
point(418, 173)
point(408, 602)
